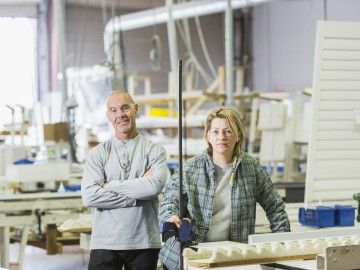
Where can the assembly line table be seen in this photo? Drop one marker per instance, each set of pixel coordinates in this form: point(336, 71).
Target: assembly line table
point(15, 208)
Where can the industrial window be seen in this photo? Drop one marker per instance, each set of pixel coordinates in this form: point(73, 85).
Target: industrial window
point(17, 67)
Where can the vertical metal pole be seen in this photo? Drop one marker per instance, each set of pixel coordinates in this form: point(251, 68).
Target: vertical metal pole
point(59, 17)
point(171, 31)
point(180, 129)
point(229, 54)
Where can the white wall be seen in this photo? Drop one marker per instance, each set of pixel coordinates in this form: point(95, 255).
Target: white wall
point(284, 40)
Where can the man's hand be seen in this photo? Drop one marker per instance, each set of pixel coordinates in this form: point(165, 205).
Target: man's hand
point(105, 185)
point(176, 220)
point(149, 172)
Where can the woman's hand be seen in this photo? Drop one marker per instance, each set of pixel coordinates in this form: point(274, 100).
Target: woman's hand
point(176, 220)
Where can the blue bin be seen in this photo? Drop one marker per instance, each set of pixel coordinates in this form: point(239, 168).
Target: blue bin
point(320, 217)
point(344, 215)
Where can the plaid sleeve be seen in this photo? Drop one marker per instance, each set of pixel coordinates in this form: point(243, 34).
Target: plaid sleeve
point(170, 205)
point(271, 201)
point(170, 254)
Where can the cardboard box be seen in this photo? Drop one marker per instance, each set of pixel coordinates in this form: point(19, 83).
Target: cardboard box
point(57, 132)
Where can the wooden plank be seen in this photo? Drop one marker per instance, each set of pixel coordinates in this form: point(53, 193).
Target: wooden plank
point(336, 154)
point(205, 263)
point(333, 184)
point(341, 44)
point(340, 65)
point(339, 85)
point(340, 105)
point(336, 115)
point(338, 144)
point(335, 169)
point(345, 30)
point(335, 195)
point(341, 55)
point(51, 235)
point(339, 95)
point(336, 125)
point(338, 135)
point(340, 75)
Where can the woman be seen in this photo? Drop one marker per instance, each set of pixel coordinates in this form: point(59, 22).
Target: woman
point(221, 187)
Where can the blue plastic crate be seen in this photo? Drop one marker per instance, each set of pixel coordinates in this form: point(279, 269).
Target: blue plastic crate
point(320, 217)
point(344, 215)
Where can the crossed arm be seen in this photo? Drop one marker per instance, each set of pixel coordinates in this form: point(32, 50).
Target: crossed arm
point(98, 193)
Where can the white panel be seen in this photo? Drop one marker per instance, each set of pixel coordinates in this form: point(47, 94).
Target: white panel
point(334, 148)
point(272, 115)
point(272, 146)
point(332, 195)
point(341, 75)
point(339, 154)
point(339, 144)
point(335, 169)
point(336, 115)
point(342, 55)
point(334, 185)
point(346, 30)
point(340, 105)
point(336, 125)
point(338, 135)
point(340, 95)
point(341, 65)
point(336, 85)
point(341, 44)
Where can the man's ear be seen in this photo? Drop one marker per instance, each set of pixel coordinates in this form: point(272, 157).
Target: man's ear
point(136, 108)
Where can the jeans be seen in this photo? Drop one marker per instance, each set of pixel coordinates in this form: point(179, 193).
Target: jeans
point(136, 259)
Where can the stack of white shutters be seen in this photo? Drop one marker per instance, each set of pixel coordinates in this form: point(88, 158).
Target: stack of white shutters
point(333, 170)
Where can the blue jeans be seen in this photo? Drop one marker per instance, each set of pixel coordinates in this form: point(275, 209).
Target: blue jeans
point(136, 259)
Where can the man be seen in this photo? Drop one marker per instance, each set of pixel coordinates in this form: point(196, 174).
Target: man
point(122, 179)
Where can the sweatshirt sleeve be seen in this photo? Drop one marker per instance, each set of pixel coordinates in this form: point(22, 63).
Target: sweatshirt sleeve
point(92, 191)
point(145, 187)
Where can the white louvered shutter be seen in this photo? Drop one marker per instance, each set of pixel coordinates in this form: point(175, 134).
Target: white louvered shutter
point(333, 169)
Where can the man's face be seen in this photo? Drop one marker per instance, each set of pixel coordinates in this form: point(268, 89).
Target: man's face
point(121, 112)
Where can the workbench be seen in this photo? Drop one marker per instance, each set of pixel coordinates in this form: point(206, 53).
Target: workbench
point(25, 210)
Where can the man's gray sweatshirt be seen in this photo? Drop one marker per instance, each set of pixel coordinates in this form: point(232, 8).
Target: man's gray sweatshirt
point(125, 212)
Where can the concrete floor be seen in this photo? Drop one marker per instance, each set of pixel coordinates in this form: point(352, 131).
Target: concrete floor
point(73, 258)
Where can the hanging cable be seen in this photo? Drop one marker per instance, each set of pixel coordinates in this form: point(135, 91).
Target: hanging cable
point(204, 48)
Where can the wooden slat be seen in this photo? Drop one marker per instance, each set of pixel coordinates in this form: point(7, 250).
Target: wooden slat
point(338, 144)
point(345, 30)
point(340, 65)
point(340, 75)
point(205, 263)
point(339, 135)
point(333, 195)
point(334, 184)
point(339, 95)
point(336, 115)
point(341, 55)
point(338, 154)
point(337, 85)
point(342, 44)
point(342, 105)
point(336, 125)
point(337, 169)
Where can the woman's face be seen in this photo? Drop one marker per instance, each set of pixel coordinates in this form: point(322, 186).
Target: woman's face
point(221, 137)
